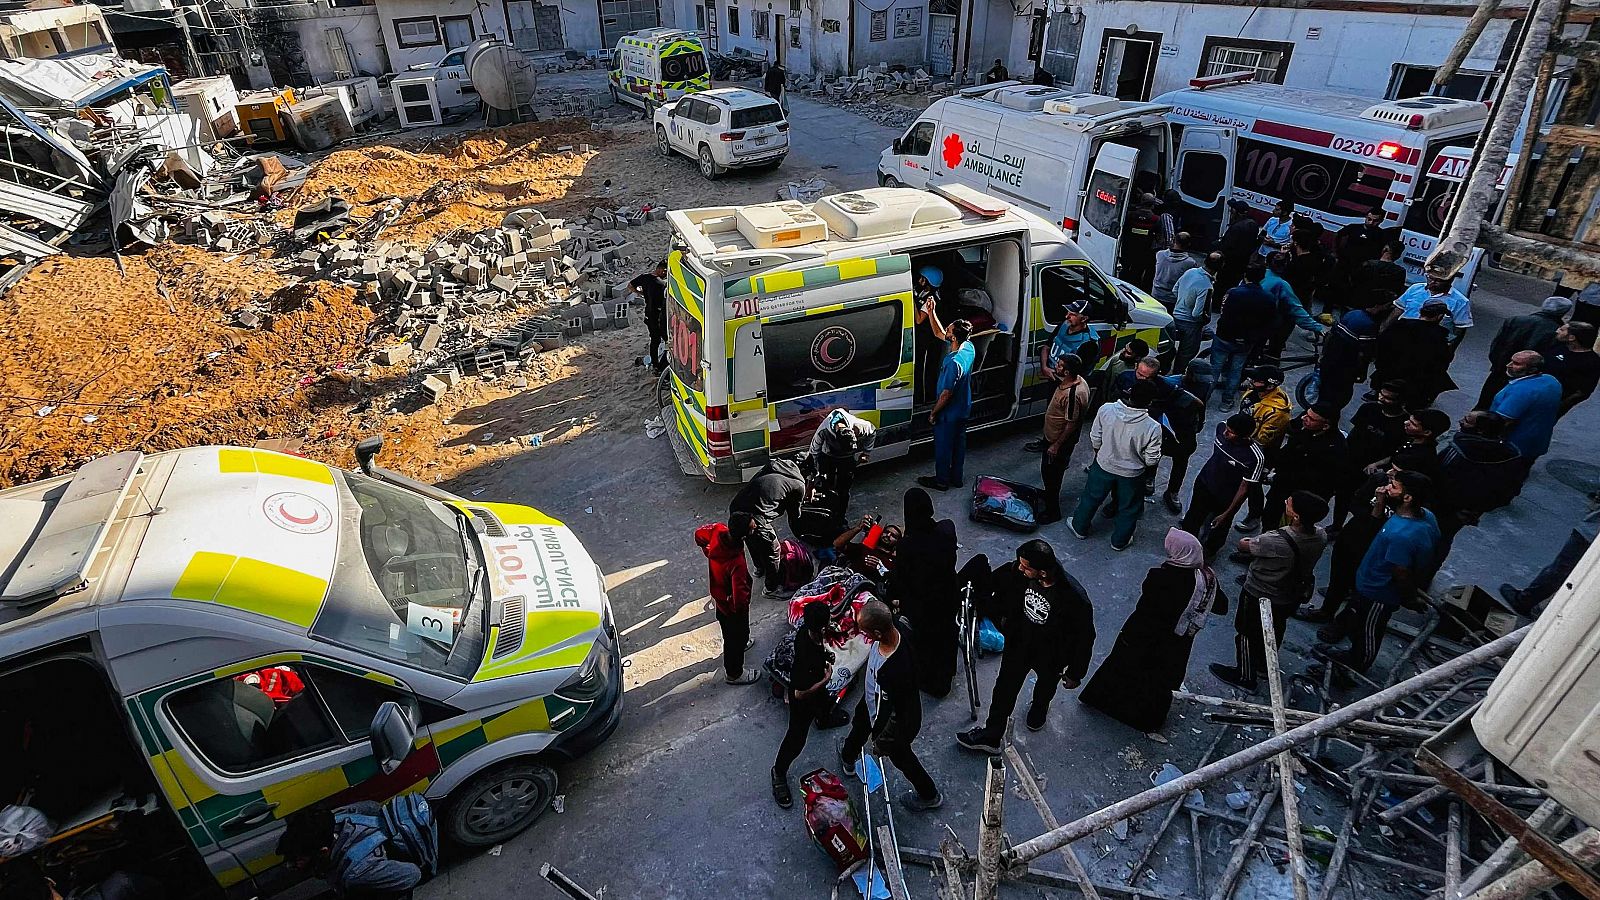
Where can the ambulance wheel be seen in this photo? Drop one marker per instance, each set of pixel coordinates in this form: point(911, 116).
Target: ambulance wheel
point(888, 181)
point(708, 166)
point(662, 144)
point(496, 805)
point(663, 391)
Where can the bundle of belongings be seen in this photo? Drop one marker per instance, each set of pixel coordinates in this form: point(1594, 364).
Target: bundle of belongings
point(845, 592)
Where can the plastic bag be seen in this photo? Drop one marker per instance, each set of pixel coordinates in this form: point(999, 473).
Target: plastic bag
point(990, 640)
point(23, 829)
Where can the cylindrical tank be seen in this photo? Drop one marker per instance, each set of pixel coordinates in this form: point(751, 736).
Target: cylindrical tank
point(502, 76)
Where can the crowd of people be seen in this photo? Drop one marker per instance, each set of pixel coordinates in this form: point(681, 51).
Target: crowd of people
point(1381, 489)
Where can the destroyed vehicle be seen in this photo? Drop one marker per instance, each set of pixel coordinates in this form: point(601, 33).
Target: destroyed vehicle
point(656, 65)
point(197, 644)
point(779, 313)
point(727, 128)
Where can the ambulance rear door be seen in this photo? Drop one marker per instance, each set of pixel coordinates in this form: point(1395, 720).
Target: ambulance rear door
point(1202, 175)
point(1105, 206)
point(838, 335)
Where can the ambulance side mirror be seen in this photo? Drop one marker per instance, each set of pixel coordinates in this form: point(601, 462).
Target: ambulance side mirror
point(896, 146)
point(391, 736)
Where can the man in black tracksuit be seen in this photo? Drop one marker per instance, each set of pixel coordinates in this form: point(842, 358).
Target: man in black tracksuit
point(1048, 622)
point(652, 286)
point(890, 709)
point(776, 490)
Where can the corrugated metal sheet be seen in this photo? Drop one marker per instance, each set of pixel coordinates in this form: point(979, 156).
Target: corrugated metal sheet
point(17, 243)
point(52, 209)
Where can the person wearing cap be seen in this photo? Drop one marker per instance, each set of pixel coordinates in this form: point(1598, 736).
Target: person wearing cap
point(1223, 482)
point(1127, 449)
point(1247, 318)
point(952, 406)
point(927, 298)
point(1073, 335)
point(1417, 352)
point(1271, 409)
point(1534, 331)
point(841, 442)
point(1458, 315)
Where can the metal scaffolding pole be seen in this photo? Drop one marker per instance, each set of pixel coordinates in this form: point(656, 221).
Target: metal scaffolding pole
point(1104, 818)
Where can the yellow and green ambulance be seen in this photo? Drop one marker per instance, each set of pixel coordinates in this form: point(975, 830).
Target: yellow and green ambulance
point(653, 66)
point(196, 644)
point(779, 313)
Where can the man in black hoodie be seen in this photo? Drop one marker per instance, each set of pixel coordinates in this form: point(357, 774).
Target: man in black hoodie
point(776, 490)
point(890, 710)
point(1048, 622)
point(1478, 472)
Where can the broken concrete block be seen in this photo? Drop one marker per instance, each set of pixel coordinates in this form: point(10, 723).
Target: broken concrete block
point(503, 283)
point(394, 356)
point(435, 387)
point(370, 294)
point(248, 319)
point(451, 377)
point(402, 279)
point(571, 275)
point(402, 320)
point(430, 338)
point(477, 273)
point(459, 272)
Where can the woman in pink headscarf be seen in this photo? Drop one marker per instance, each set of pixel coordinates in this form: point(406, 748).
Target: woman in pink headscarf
point(1135, 683)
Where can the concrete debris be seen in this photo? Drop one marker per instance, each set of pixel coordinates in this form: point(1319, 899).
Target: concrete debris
point(808, 191)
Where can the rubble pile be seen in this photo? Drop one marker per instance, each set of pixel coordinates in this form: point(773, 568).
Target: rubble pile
point(867, 92)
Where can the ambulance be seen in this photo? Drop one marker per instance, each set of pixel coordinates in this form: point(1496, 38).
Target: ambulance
point(197, 644)
point(779, 313)
point(1334, 156)
point(1073, 159)
point(655, 65)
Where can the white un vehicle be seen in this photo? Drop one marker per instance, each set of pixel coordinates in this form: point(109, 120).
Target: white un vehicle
point(727, 128)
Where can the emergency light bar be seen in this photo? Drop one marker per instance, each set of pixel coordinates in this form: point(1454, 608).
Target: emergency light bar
point(1211, 81)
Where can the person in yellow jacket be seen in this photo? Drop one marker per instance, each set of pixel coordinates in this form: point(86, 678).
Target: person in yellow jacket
point(1269, 405)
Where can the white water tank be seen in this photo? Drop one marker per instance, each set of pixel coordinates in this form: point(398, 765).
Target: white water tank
point(502, 76)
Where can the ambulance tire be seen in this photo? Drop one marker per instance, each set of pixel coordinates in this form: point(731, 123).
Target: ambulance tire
point(708, 165)
point(663, 392)
point(497, 804)
point(888, 181)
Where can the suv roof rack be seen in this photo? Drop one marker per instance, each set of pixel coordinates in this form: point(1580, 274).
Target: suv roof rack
point(62, 548)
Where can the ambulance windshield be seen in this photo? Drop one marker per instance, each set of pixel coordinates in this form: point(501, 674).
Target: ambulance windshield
point(408, 582)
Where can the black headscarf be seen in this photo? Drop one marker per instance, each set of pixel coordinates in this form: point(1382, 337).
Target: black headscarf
point(919, 510)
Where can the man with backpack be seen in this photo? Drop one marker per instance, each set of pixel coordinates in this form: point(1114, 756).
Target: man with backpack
point(840, 443)
point(729, 586)
point(366, 851)
point(777, 489)
point(1282, 564)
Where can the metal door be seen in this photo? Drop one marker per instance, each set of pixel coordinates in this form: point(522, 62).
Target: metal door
point(941, 44)
point(1105, 204)
point(1203, 178)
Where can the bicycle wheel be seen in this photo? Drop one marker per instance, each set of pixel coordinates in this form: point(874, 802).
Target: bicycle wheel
point(1309, 390)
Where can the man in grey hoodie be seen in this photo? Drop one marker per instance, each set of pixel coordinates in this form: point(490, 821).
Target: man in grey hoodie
point(1171, 263)
point(1127, 449)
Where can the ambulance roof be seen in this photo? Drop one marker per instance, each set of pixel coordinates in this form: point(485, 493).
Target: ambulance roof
point(660, 35)
point(847, 225)
point(1252, 100)
point(231, 526)
point(1050, 107)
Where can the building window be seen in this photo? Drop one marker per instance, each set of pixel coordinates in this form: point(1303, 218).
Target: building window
point(733, 20)
point(458, 30)
point(794, 36)
point(421, 31)
point(760, 19)
point(1417, 81)
point(1267, 60)
point(1063, 39)
point(711, 25)
point(700, 18)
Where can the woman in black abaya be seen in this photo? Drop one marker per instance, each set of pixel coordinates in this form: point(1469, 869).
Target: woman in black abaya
point(923, 588)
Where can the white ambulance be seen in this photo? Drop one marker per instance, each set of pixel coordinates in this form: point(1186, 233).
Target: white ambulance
point(1071, 159)
point(1335, 156)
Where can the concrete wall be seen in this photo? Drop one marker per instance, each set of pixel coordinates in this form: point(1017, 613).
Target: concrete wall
point(294, 43)
point(487, 19)
point(910, 51)
point(1333, 50)
point(54, 33)
point(821, 51)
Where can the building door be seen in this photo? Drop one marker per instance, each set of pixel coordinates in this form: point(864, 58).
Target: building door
point(941, 44)
point(1127, 65)
point(618, 17)
point(339, 52)
point(780, 42)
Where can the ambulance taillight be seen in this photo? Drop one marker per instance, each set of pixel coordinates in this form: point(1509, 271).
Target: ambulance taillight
point(718, 442)
point(1070, 226)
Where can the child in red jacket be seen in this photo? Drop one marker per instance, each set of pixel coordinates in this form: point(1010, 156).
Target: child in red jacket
point(723, 546)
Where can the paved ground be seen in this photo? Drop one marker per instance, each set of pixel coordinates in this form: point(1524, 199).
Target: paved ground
point(677, 803)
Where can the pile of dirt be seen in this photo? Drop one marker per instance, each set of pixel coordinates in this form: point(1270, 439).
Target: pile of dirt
point(95, 362)
point(462, 181)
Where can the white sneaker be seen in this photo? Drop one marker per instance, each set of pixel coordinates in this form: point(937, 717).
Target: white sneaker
point(748, 676)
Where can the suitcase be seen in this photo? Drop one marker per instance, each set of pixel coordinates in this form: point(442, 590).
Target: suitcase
point(1006, 503)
